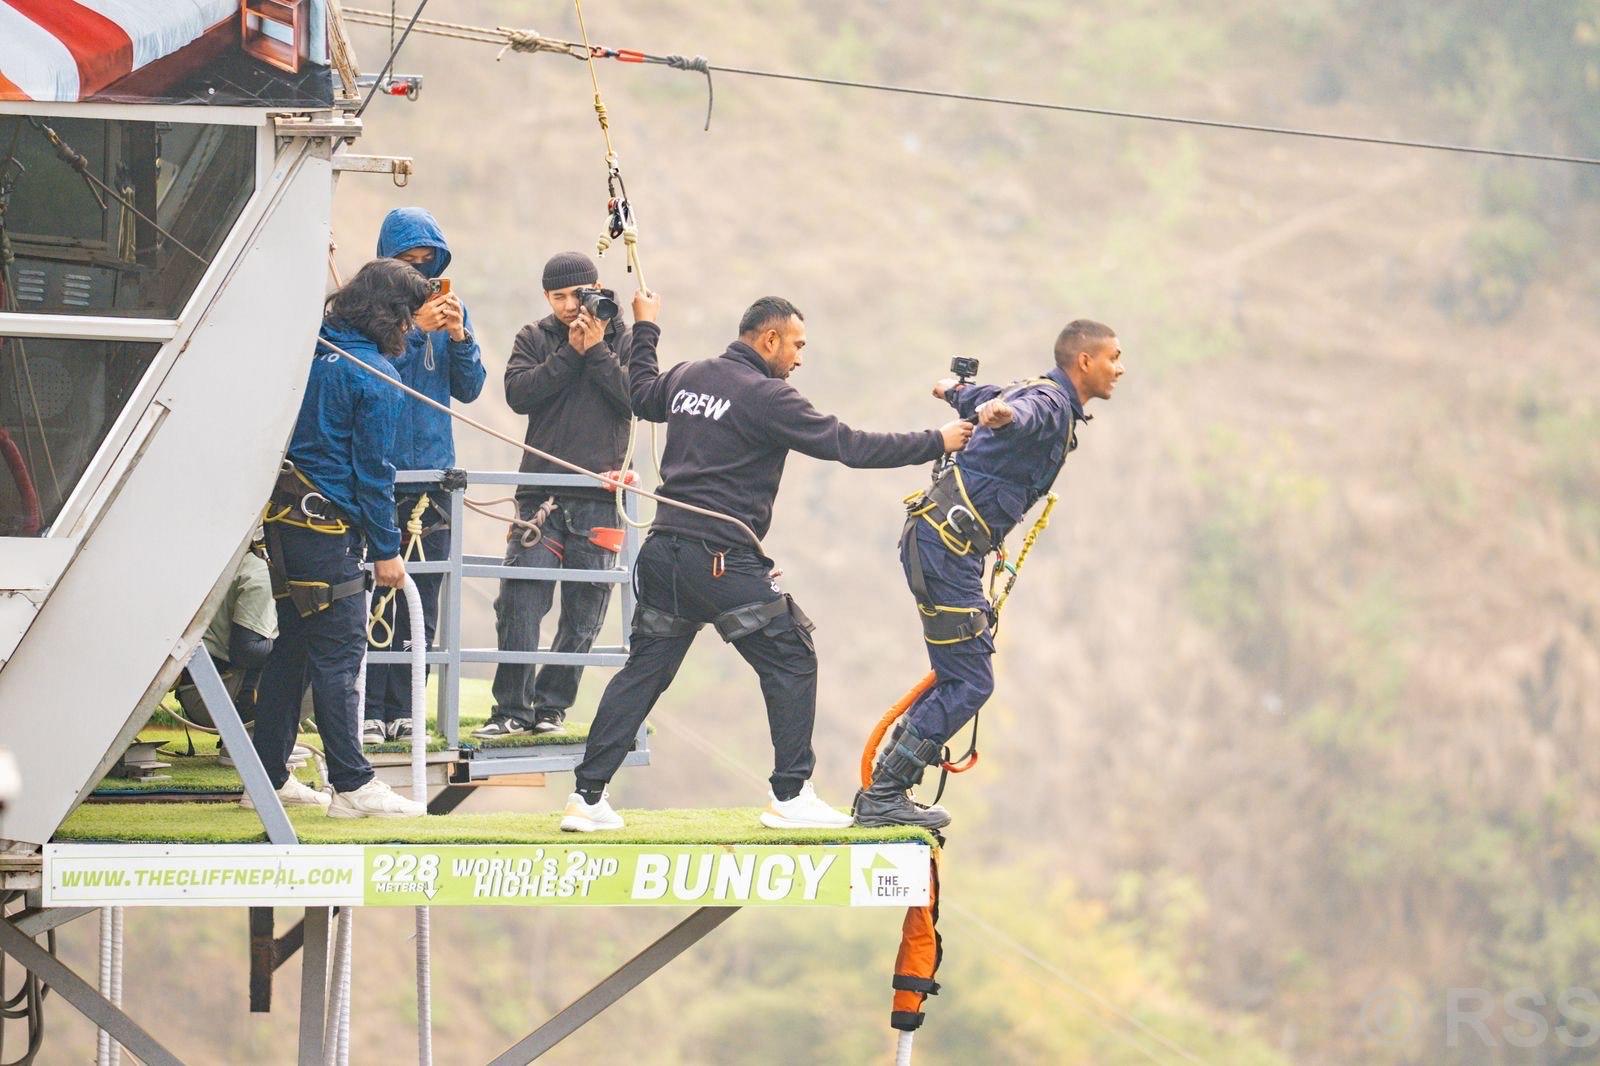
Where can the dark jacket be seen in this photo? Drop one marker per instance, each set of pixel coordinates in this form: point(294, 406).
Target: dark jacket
point(342, 438)
point(731, 425)
point(577, 405)
point(433, 364)
point(1006, 470)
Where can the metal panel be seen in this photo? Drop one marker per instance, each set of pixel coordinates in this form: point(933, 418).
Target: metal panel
point(138, 564)
point(32, 563)
point(566, 758)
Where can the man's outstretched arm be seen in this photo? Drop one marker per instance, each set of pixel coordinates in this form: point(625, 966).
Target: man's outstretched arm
point(793, 423)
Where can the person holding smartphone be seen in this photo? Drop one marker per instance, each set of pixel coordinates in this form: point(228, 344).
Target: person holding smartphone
point(441, 360)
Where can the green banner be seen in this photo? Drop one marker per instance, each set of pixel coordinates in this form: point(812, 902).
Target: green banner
point(509, 875)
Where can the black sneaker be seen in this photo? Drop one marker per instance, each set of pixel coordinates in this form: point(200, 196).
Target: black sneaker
point(400, 729)
point(498, 726)
point(549, 721)
point(373, 731)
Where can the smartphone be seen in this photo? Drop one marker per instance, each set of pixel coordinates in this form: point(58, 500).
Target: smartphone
point(438, 287)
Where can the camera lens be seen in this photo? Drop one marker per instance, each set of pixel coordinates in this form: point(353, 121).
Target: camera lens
point(600, 305)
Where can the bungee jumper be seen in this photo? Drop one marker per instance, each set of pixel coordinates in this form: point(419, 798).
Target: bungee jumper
point(1025, 432)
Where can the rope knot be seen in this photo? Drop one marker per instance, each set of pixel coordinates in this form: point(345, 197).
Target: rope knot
point(698, 64)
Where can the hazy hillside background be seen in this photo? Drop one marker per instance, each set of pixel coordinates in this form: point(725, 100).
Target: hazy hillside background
point(1298, 698)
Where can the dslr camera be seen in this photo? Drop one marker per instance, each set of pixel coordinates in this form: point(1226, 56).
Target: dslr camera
point(601, 303)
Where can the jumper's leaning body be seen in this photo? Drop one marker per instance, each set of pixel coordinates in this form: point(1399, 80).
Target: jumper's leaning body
point(951, 527)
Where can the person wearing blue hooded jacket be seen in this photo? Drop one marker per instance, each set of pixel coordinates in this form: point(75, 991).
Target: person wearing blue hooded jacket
point(442, 361)
point(333, 507)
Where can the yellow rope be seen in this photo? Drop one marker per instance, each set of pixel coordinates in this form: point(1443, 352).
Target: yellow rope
point(414, 553)
point(630, 232)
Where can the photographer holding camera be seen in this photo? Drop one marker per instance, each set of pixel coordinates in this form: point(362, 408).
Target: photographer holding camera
point(1025, 432)
point(567, 374)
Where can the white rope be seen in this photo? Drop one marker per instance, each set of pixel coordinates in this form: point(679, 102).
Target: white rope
point(116, 974)
point(102, 1055)
point(336, 1039)
point(424, 988)
point(555, 460)
point(902, 1050)
point(419, 792)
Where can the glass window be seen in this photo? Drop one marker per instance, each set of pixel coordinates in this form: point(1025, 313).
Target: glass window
point(75, 250)
point(58, 399)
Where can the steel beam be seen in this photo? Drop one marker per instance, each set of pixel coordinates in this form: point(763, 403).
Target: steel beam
point(37, 920)
point(263, 960)
point(225, 716)
point(314, 986)
point(88, 1002)
point(623, 980)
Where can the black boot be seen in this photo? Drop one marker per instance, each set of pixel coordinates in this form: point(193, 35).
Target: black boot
point(887, 800)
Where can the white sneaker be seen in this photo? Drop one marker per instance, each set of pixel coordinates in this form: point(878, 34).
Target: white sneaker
point(294, 793)
point(581, 817)
point(805, 811)
point(374, 800)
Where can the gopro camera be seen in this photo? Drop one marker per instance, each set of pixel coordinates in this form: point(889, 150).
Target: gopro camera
point(965, 368)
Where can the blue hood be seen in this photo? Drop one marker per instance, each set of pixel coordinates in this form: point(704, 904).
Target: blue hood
point(405, 228)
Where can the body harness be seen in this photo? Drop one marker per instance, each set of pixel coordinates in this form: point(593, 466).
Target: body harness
point(297, 502)
point(948, 508)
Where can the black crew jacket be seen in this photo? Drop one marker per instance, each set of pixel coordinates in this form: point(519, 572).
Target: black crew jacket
point(731, 425)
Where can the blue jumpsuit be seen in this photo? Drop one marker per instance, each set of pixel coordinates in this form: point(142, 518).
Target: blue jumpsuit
point(1006, 471)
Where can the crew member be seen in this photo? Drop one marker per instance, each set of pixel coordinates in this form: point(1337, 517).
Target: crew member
point(731, 423)
point(1025, 432)
point(567, 374)
point(334, 503)
point(441, 360)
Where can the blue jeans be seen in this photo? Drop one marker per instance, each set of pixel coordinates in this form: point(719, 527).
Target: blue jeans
point(964, 672)
point(522, 691)
point(323, 651)
point(389, 684)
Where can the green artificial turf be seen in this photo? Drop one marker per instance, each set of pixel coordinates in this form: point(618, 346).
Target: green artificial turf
point(477, 699)
point(202, 774)
point(216, 823)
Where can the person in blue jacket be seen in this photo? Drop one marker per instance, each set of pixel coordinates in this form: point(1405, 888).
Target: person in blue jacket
point(1025, 432)
point(441, 361)
point(333, 507)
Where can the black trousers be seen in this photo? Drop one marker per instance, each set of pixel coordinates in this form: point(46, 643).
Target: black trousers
point(322, 652)
point(674, 575)
point(389, 684)
point(524, 692)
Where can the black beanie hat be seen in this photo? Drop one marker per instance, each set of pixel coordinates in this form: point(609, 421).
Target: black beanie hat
point(568, 269)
